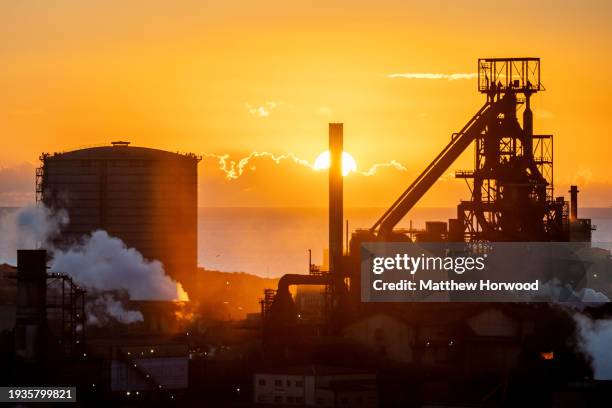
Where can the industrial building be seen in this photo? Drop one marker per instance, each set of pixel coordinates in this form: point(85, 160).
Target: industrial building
point(149, 368)
point(116, 361)
point(473, 354)
point(146, 197)
point(511, 187)
point(327, 348)
point(314, 385)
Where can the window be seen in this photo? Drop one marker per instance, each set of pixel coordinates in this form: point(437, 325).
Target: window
point(299, 383)
point(261, 381)
point(299, 400)
point(290, 399)
point(278, 383)
point(288, 383)
point(278, 398)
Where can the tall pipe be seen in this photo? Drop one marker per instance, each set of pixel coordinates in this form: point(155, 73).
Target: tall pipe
point(573, 203)
point(528, 128)
point(335, 200)
point(31, 304)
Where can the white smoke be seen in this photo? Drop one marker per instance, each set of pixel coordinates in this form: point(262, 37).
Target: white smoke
point(555, 291)
point(106, 263)
point(30, 227)
point(106, 308)
point(595, 340)
point(100, 263)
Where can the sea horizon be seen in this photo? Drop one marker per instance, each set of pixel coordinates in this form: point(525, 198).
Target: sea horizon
point(272, 241)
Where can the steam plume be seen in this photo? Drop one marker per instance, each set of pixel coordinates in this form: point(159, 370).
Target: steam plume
point(595, 338)
point(555, 291)
point(32, 226)
point(100, 263)
point(105, 308)
point(105, 263)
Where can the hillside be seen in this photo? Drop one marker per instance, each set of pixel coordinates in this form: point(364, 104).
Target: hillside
point(230, 295)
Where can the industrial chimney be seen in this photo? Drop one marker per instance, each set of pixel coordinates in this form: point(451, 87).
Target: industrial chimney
point(573, 203)
point(335, 200)
point(31, 322)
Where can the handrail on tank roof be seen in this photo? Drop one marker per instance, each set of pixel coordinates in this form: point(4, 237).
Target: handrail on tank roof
point(44, 155)
point(120, 143)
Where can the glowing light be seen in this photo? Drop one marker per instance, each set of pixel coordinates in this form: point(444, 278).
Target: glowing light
point(547, 355)
point(349, 164)
point(181, 295)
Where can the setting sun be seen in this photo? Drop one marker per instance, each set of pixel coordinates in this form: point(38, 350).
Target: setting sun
point(348, 162)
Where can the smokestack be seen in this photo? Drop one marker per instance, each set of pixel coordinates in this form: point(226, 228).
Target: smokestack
point(573, 203)
point(335, 198)
point(31, 319)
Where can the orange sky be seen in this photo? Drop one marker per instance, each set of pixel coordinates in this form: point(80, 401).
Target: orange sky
point(238, 76)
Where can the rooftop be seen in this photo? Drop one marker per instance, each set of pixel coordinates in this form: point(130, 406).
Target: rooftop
point(315, 370)
point(119, 150)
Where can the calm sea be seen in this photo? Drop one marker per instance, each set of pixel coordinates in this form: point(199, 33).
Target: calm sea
point(273, 241)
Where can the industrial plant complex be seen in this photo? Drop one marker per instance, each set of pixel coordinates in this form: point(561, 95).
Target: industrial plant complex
point(309, 339)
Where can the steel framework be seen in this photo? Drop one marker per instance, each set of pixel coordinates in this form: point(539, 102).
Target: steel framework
point(512, 181)
point(67, 301)
point(512, 194)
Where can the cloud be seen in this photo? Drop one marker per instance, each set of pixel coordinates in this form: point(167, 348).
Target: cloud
point(374, 168)
point(430, 75)
point(233, 169)
point(264, 110)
